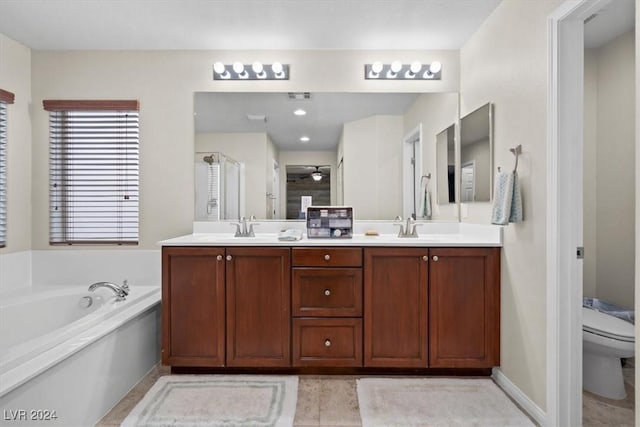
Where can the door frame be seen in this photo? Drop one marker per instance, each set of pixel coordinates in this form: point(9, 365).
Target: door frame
point(565, 209)
point(411, 148)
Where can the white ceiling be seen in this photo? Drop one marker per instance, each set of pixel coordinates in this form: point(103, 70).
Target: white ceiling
point(612, 20)
point(243, 24)
point(326, 114)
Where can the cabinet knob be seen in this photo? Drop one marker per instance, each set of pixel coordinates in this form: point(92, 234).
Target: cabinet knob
point(229, 257)
point(425, 258)
point(435, 257)
point(327, 292)
point(219, 257)
point(327, 257)
point(327, 343)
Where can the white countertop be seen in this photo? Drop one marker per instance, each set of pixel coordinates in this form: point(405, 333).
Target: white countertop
point(430, 235)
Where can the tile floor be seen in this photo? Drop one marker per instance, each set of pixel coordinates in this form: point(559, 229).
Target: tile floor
point(332, 401)
point(598, 411)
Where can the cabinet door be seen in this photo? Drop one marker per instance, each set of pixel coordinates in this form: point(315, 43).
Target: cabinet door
point(395, 307)
point(193, 313)
point(464, 311)
point(258, 307)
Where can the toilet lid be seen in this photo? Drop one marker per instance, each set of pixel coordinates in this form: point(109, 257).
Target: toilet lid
point(606, 325)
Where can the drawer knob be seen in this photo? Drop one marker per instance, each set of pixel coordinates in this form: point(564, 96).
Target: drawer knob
point(327, 343)
point(327, 292)
point(327, 257)
point(219, 257)
point(435, 257)
point(229, 257)
point(425, 258)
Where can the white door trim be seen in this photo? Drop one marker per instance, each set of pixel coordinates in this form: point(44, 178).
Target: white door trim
point(564, 209)
point(410, 184)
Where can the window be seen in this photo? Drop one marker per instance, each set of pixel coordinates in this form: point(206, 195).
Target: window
point(5, 98)
point(93, 172)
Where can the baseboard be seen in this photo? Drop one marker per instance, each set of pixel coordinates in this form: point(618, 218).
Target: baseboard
point(528, 405)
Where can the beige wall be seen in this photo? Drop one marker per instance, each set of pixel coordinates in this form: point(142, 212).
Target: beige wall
point(610, 171)
point(615, 190)
point(590, 172)
point(372, 153)
point(505, 62)
point(164, 82)
point(15, 76)
point(249, 149)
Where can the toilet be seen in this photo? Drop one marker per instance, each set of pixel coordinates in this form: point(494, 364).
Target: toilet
point(605, 340)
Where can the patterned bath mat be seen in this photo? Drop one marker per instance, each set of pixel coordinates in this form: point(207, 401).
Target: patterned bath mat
point(436, 402)
point(217, 400)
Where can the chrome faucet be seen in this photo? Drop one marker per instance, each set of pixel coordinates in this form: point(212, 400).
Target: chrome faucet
point(243, 229)
point(121, 291)
point(409, 230)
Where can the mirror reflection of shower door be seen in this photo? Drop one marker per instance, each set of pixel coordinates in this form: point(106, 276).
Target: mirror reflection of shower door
point(231, 190)
point(467, 187)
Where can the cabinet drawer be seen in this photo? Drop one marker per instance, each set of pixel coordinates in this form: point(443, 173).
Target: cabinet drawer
point(327, 292)
point(327, 342)
point(327, 257)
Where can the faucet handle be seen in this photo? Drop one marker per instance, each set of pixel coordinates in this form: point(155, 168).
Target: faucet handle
point(125, 286)
point(401, 231)
point(238, 232)
point(252, 218)
point(415, 231)
point(398, 218)
point(251, 233)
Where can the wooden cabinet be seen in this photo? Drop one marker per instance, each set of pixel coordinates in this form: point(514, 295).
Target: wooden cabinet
point(327, 307)
point(226, 307)
point(193, 306)
point(258, 307)
point(395, 307)
point(464, 307)
point(374, 307)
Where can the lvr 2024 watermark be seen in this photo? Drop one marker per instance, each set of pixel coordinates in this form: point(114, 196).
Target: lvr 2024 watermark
point(29, 415)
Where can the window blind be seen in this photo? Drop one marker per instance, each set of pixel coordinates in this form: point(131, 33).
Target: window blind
point(93, 172)
point(5, 98)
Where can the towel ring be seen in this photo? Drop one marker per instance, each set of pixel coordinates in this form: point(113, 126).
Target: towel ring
point(427, 176)
point(516, 152)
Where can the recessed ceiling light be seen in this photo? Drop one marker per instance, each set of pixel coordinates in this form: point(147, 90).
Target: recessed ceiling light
point(299, 112)
point(304, 139)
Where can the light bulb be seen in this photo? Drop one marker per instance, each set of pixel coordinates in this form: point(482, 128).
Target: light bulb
point(376, 67)
point(277, 70)
point(219, 68)
point(435, 67)
point(257, 67)
point(415, 67)
point(396, 66)
point(238, 67)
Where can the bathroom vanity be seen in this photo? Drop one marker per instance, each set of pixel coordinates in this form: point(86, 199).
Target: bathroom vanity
point(324, 304)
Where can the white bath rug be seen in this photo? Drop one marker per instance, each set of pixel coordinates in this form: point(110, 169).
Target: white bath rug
point(217, 400)
point(436, 402)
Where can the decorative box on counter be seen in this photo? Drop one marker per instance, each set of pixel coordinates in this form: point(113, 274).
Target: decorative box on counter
point(330, 222)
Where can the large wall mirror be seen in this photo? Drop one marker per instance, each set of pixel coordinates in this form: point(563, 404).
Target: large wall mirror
point(271, 154)
point(476, 155)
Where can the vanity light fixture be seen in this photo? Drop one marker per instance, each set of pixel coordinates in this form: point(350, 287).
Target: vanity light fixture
point(255, 71)
point(399, 71)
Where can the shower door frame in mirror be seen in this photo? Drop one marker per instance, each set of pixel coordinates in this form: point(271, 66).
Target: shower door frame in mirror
point(364, 161)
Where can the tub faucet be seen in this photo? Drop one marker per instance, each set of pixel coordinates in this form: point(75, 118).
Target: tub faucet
point(121, 291)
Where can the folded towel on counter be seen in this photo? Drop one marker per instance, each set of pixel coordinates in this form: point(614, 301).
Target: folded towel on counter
point(507, 200)
point(290, 235)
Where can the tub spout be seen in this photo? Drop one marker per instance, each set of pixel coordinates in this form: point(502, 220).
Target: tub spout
point(120, 291)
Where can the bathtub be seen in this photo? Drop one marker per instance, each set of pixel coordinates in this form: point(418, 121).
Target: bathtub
point(68, 355)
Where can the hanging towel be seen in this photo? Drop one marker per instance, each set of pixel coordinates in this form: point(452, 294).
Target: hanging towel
point(507, 200)
point(425, 203)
